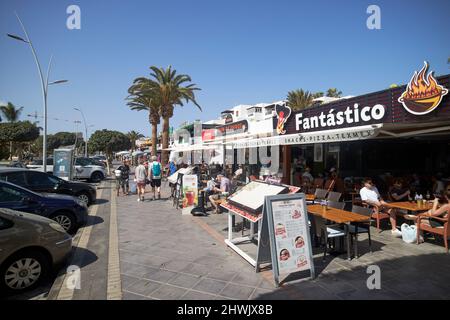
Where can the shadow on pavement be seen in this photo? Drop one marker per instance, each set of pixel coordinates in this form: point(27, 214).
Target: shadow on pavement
point(92, 221)
point(413, 277)
point(101, 201)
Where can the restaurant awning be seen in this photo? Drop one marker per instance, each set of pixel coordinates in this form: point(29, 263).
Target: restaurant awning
point(325, 136)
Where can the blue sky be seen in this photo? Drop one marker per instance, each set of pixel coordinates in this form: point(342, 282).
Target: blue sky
point(238, 52)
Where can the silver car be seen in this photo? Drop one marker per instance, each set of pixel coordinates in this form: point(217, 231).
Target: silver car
point(30, 246)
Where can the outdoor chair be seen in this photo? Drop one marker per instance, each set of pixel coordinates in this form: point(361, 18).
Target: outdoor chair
point(336, 204)
point(376, 214)
point(443, 230)
point(354, 229)
point(334, 196)
point(327, 232)
point(320, 194)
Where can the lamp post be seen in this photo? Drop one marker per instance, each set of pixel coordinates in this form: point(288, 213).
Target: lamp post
point(85, 128)
point(44, 86)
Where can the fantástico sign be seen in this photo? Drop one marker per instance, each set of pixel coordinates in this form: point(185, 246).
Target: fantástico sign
point(332, 119)
point(423, 93)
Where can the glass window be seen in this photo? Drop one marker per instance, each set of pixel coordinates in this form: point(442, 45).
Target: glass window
point(8, 194)
point(36, 179)
point(14, 177)
point(81, 162)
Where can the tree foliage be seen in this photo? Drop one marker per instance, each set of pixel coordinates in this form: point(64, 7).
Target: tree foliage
point(21, 131)
point(108, 141)
point(10, 112)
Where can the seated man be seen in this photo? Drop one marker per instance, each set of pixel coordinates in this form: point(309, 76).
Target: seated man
point(369, 193)
point(399, 193)
point(225, 186)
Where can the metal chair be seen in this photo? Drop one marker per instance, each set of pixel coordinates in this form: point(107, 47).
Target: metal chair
point(334, 196)
point(354, 229)
point(327, 232)
point(336, 204)
point(320, 194)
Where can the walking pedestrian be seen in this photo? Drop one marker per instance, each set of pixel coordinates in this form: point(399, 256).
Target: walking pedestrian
point(123, 178)
point(140, 175)
point(155, 174)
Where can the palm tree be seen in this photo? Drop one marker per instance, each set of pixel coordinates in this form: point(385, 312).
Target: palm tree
point(299, 99)
point(172, 90)
point(142, 97)
point(334, 93)
point(11, 114)
point(133, 136)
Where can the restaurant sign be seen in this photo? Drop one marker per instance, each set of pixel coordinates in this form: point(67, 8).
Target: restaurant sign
point(423, 93)
point(233, 128)
point(324, 136)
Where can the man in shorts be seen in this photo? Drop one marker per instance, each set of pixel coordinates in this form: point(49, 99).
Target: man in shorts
point(122, 181)
point(140, 175)
point(155, 174)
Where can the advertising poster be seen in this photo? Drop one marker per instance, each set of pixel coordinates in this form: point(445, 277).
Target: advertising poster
point(190, 190)
point(62, 163)
point(291, 236)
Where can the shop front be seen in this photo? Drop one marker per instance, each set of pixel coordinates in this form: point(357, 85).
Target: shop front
point(368, 135)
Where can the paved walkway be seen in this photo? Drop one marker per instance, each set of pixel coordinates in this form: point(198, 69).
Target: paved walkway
point(149, 250)
point(166, 255)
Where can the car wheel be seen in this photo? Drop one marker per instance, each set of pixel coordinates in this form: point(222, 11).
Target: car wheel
point(66, 220)
point(23, 271)
point(96, 177)
point(85, 198)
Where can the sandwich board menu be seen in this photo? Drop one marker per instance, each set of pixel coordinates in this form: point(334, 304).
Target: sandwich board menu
point(285, 230)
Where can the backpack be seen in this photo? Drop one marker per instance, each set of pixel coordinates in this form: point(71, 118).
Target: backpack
point(156, 169)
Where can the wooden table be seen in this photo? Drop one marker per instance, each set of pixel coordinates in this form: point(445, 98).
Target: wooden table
point(341, 217)
point(411, 206)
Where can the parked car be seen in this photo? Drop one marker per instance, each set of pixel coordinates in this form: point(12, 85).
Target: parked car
point(45, 182)
point(38, 165)
point(70, 212)
point(30, 246)
point(84, 169)
point(102, 159)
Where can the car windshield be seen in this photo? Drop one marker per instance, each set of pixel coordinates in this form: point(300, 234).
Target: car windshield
point(25, 190)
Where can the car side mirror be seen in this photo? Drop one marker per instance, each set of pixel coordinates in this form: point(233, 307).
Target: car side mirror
point(57, 185)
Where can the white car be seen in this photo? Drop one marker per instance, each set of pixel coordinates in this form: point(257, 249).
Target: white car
point(85, 168)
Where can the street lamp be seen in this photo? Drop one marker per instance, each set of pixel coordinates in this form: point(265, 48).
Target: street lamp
point(44, 86)
point(85, 127)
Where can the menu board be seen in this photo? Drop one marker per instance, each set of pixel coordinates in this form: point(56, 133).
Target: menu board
point(251, 196)
point(285, 222)
point(291, 230)
point(190, 190)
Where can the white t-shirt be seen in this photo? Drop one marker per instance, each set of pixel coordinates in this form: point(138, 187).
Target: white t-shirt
point(369, 194)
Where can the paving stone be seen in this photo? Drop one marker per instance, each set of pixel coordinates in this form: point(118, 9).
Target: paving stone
point(235, 291)
point(168, 292)
point(159, 275)
point(144, 287)
point(126, 295)
point(184, 280)
point(210, 286)
point(195, 295)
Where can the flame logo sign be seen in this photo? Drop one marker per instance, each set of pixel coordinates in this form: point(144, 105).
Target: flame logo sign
point(423, 93)
point(283, 114)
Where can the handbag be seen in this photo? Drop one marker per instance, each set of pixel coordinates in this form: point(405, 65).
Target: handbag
point(409, 233)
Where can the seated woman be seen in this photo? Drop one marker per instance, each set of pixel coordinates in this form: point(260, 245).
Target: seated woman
point(442, 212)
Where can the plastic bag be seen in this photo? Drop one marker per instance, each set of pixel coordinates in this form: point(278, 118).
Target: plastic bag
point(133, 187)
point(409, 233)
